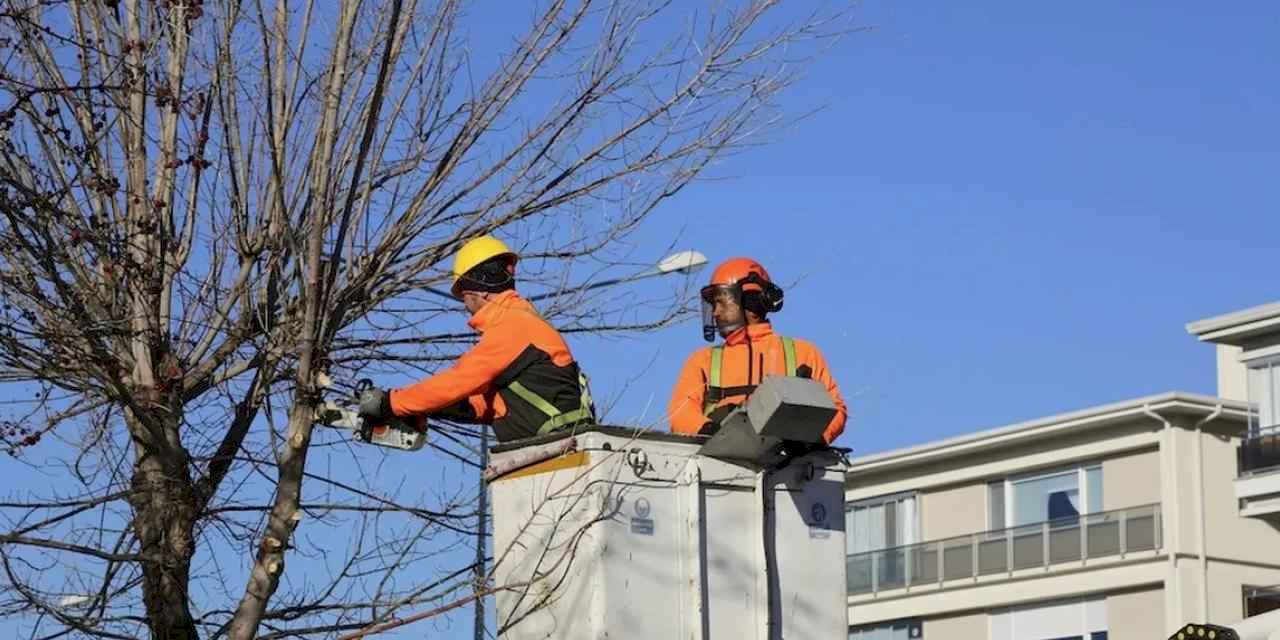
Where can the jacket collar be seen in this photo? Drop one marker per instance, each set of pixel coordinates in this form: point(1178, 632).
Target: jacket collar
point(756, 333)
point(497, 307)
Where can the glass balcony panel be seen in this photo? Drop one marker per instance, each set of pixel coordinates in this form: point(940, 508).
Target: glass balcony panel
point(957, 558)
point(990, 552)
point(1028, 547)
point(1141, 529)
point(1104, 534)
point(858, 568)
point(993, 556)
point(1064, 540)
point(923, 560)
point(891, 567)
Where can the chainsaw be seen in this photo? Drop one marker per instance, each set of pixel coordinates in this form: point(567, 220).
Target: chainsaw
point(394, 433)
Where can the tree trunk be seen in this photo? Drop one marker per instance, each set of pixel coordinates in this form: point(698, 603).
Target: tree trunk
point(164, 512)
point(265, 575)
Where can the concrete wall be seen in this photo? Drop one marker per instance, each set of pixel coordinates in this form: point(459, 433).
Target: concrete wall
point(953, 511)
point(1131, 479)
point(1228, 535)
point(1226, 589)
point(1041, 453)
point(1233, 381)
point(973, 625)
point(1130, 614)
point(1047, 453)
point(1135, 614)
point(1238, 550)
point(1128, 480)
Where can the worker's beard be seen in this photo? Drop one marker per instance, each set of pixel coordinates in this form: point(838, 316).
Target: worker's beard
point(727, 329)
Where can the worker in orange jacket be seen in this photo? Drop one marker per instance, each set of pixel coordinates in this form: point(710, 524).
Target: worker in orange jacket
point(519, 377)
point(736, 304)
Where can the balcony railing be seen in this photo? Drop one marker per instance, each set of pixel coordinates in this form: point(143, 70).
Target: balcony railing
point(1096, 535)
point(1260, 450)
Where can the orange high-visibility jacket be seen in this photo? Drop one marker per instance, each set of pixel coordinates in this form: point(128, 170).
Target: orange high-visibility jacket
point(520, 377)
point(691, 404)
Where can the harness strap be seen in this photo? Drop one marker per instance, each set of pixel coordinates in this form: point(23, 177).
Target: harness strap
point(557, 419)
point(714, 393)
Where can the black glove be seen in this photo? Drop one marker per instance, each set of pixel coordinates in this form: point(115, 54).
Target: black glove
point(375, 404)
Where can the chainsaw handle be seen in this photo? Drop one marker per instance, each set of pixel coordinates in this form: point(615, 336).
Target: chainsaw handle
point(362, 385)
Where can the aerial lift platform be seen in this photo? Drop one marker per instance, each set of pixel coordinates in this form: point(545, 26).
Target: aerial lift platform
point(606, 532)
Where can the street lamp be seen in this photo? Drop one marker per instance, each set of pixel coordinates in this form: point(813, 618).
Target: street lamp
point(680, 262)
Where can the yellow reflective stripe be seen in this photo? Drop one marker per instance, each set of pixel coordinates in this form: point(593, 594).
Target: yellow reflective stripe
point(533, 398)
point(584, 387)
point(713, 378)
point(555, 418)
point(789, 352)
point(569, 417)
point(717, 362)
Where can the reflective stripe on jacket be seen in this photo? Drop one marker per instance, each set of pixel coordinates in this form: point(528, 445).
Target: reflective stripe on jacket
point(520, 377)
point(691, 402)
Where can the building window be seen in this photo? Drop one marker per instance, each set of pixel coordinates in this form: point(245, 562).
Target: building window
point(881, 523)
point(1075, 619)
point(1264, 394)
point(900, 630)
point(1260, 600)
point(995, 505)
point(1056, 495)
point(877, 532)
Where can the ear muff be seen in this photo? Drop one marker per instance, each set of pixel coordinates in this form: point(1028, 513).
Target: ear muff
point(494, 275)
point(770, 293)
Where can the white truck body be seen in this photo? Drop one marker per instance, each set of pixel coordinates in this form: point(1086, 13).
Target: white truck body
point(632, 534)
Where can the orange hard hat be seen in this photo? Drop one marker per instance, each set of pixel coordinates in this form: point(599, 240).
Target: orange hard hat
point(733, 270)
point(737, 277)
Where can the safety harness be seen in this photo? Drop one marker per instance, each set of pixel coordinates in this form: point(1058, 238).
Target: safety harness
point(557, 419)
point(715, 393)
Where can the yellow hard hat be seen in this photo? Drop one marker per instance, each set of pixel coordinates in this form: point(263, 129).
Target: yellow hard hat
point(476, 251)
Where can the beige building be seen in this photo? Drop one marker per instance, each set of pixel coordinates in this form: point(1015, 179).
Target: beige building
point(1123, 521)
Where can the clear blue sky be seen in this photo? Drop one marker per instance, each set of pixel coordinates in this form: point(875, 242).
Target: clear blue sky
point(1006, 210)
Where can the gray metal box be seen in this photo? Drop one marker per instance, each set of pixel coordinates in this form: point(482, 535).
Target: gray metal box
point(790, 408)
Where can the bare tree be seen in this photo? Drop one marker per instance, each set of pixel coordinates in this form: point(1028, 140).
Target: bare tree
point(209, 209)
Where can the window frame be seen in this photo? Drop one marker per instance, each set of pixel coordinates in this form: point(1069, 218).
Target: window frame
point(1270, 391)
point(1250, 593)
point(1082, 486)
point(1092, 610)
point(911, 624)
point(882, 500)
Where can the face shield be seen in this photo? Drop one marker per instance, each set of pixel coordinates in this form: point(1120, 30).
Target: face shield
point(728, 299)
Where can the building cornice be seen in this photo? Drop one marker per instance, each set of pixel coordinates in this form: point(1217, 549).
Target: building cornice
point(1170, 405)
point(1236, 327)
